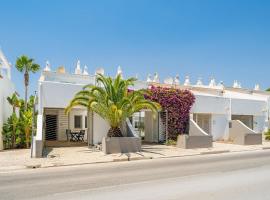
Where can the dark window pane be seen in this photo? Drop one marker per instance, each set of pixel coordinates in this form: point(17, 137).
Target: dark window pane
point(85, 122)
point(77, 121)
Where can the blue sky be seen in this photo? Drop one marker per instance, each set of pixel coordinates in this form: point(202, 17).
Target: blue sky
point(226, 39)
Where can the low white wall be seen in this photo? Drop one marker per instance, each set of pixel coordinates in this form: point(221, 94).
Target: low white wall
point(100, 128)
point(210, 104)
point(259, 124)
point(195, 129)
point(220, 127)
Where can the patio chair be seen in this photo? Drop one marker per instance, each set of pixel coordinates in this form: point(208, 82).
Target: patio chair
point(81, 135)
point(68, 134)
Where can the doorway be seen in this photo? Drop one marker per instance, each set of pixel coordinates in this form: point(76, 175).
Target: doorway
point(246, 119)
point(51, 127)
point(203, 121)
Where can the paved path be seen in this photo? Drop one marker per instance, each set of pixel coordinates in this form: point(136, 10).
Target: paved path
point(223, 176)
point(18, 159)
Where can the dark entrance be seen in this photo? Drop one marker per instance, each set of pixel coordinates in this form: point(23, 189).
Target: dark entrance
point(51, 127)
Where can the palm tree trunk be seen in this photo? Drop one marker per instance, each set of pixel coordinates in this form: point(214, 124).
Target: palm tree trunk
point(26, 83)
point(115, 132)
point(27, 134)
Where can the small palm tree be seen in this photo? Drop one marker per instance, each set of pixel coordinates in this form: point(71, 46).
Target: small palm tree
point(113, 101)
point(26, 65)
point(14, 101)
point(26, 125)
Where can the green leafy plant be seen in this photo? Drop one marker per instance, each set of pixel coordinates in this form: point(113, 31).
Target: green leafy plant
point(25, 122)
point(14, 101)
point(10, 131)
point(113, 101)
point(17, 130)
point(267, 134)
point(170, 142)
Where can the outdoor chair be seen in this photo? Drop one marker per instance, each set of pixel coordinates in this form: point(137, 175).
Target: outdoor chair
point(81, 135)
point(68, 134)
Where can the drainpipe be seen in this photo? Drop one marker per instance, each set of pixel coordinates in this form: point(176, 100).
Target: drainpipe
point(33, 124)
point(230, 109)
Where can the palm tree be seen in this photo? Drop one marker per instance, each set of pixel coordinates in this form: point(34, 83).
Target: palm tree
point(113, 101)
point(14, 101)
point(26, 65)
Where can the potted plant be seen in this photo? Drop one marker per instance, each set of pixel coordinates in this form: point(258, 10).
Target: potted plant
point(114, 102)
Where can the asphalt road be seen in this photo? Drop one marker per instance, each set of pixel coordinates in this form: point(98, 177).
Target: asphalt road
point(222, 176)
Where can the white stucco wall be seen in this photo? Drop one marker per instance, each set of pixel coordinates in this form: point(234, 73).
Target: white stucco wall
point(220, 126)
point(100, 128)
point(210, 104)
point(248, 107)
point(6, 89)
point(57, 95)
point(258, 124)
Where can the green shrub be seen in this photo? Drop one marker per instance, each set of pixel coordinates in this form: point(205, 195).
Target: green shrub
point(171, 142)
point(267, 135)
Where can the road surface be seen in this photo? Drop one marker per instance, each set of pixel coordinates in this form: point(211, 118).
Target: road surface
point(222, 176)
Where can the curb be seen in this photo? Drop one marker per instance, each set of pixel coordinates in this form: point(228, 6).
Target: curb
point(214, 152)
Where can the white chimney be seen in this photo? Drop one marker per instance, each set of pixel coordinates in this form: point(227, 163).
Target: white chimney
point(85, 72)
point(257, 87)
point(221, 84)
point(212, 82)
point(187, 81)
point(177, 80)
point(199, 82)
point(168, 81)
point(149, 78)
point(99, 71)
point(156, 78)
point(78, 68)
point(235, 84)
point(47, 67)
point(119, 71)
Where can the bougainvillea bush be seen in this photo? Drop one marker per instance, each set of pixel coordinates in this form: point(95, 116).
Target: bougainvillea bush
point(178, 103)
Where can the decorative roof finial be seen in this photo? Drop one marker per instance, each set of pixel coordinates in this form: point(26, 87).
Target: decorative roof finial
point(212, 82)
point(199, 82)
point(257, 87)
point(149, 78)
point(221, 85)
point(187, 81)
point(177, 80)
point(235, 84)
point(47, 67)
point(78, 68)
point(119, 71)
point(85, 72)
point(156, 78)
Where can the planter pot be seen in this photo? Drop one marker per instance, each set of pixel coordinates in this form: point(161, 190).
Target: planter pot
point(121, 144)
point(192, 142)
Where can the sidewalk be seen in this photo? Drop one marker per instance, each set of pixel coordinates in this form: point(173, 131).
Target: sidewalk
point(64, 156)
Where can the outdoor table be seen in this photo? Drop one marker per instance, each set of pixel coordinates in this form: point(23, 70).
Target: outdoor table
point(76, 136)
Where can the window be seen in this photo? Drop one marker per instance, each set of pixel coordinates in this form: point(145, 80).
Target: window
point(85, 122)
point(77, 121)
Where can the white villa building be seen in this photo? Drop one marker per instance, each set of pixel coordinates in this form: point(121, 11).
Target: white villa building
point(214, 108)
point(6, 89)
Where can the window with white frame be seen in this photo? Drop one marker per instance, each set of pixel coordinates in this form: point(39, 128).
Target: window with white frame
point(78, 121)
